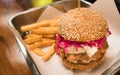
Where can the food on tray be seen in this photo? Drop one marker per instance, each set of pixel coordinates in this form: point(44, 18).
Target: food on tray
point(41, 34)
point(49, 53)
point(45, 42)
point(38, 51)
point(81, 41)
point(35, 25)
point(43, 23)
point(44, 30)
point(52, 36)
point(31, 38)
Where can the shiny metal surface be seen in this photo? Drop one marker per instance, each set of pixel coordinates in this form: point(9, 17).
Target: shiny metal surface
point(31, 16)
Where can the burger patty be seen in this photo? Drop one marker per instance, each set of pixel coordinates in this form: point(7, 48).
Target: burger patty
point(83, 58)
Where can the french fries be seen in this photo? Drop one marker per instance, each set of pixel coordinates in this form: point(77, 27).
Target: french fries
point(38, 51)
point(52, 36)
point(54, 23)
point(50, 52)
point(42, 34)
point(34, 25)
point(33, 38)
point(44, 30)
point(31, 35)
point(44, 23)
point(44, 43)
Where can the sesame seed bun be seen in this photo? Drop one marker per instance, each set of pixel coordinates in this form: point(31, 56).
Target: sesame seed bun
point(82, 25)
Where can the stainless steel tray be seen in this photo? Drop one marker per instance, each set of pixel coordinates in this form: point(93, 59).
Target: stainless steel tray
point(31, 16)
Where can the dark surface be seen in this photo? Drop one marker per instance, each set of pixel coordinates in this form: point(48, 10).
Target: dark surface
point(117, 73)
point(92, 1)
point(118, 6)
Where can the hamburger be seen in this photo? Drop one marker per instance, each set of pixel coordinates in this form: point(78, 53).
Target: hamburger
point(81, 41)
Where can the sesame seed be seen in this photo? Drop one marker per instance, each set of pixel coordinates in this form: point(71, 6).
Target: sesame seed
point(82, 25)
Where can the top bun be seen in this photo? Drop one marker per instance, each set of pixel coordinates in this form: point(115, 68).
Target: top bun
point(82, 25)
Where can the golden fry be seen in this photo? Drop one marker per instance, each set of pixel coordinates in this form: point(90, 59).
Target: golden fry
point(45, 30)
point(31, 35)
point(35, 25)
point(48, 39)
point(32, 39)
point(49, 36)
point(32, 46)
point(43, 43)
point(38, 51)
point(49, 53)
point(54, 23)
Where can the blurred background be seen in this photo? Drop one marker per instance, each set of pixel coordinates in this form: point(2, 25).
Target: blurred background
point(26, 4)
